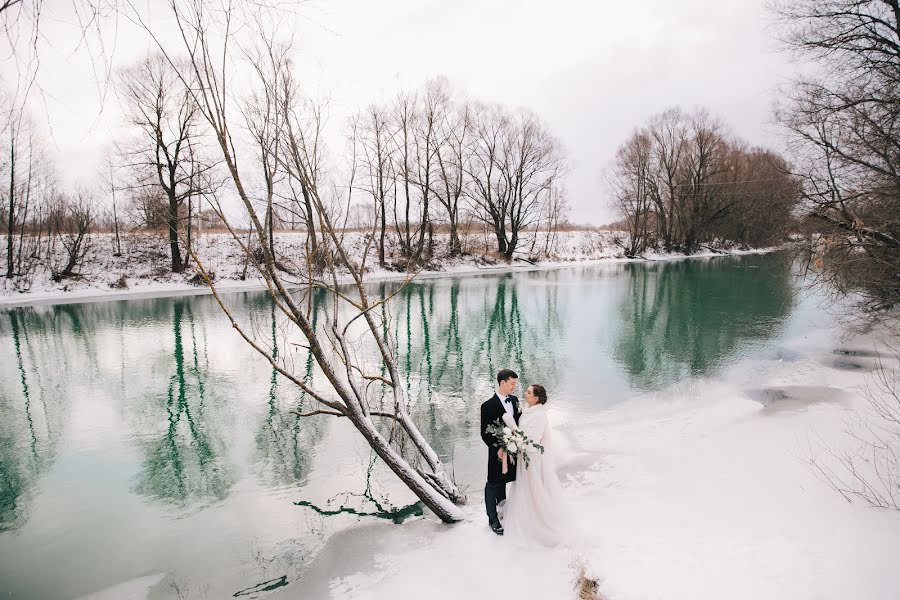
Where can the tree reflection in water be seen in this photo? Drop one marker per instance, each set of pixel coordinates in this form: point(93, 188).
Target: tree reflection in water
point(32, 402)
point(284, 440)
point(453, 347)
point(690, 317)
point(185, 463)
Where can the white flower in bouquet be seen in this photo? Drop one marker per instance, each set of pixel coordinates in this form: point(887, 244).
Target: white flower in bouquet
point(514, 442)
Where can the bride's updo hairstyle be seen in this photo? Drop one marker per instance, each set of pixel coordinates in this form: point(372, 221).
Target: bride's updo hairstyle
point(539, 392)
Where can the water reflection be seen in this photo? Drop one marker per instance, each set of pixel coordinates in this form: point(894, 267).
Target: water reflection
point(453, 336)
point(691, 317)
point(31, 410)
point(184, 460)
point(284, 440)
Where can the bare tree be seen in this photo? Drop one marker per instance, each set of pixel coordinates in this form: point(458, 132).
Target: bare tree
point(412, 155)
point(373, 131)
point(303, 120)
point(265, 122)
point(489, 195)
point(73, 217)
point(11, 203)
point(513, 164)
point(557, 213)
point(429, 140)
point(28, 175)
point(147, 208)
point(450, 183)
point(17, 142)
point(166, 153)
point(354, 392)
point(113, 208)
point(765, 197)
point(537, 166)
point(632, 182)
point(668, 130)
point(680, 182)
point(701, 198)
point(844, 126)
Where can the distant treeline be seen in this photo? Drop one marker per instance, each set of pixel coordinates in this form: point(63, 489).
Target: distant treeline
point(680, 182)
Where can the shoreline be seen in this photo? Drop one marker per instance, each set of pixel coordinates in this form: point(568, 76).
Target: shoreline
point(228, 286)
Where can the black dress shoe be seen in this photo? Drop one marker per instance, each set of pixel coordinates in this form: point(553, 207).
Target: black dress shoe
point(497, 528)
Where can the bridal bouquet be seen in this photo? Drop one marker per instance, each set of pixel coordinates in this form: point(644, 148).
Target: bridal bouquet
point(514, 442)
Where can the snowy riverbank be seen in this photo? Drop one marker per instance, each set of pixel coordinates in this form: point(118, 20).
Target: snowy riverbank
point(143, 266)
point(704, 491)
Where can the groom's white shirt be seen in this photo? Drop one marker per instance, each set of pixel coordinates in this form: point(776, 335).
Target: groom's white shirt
point(507, 406)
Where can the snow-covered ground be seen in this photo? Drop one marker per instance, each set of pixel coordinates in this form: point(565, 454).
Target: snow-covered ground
point(701, 492)
point(145, 268)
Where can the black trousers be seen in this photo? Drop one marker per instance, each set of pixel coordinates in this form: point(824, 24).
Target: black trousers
point(494, 493)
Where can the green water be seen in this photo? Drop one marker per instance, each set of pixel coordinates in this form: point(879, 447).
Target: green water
point(145, 438)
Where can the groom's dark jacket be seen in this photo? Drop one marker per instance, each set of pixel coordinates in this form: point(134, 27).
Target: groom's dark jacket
point(492, 411)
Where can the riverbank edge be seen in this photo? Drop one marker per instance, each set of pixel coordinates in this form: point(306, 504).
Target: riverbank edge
point(228, 286)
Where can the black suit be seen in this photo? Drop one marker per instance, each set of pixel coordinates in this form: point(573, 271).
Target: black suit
point(492, 411)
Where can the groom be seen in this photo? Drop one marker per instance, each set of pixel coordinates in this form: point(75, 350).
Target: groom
point(492, 411)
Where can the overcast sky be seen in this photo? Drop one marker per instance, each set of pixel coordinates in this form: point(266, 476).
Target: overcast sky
point(593, 71)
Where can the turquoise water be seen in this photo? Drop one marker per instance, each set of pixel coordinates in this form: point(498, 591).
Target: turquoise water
point(144, 437)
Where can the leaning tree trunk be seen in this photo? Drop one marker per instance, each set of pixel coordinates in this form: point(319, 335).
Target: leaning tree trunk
point(348, 394)
point(423, 487)
point(435, 490)
point(74, 255)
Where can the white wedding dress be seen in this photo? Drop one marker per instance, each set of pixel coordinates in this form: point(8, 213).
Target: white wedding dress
point(537, 511)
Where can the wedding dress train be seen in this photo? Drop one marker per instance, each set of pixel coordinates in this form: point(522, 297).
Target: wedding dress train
point(537, 510)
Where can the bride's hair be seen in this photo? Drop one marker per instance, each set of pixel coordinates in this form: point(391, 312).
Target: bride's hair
point(539, 391)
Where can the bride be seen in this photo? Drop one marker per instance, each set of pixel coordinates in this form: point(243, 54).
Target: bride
point(537, 509)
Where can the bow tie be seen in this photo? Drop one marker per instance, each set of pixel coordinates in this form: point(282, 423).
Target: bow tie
point(507, 400)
